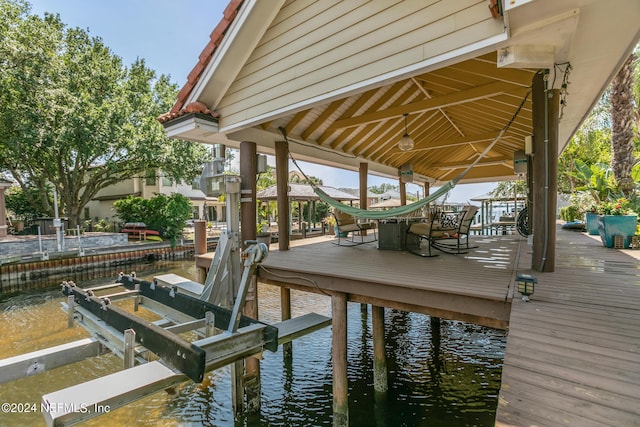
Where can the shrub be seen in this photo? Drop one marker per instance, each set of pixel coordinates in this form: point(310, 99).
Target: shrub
point(621, 206)
point(166, 214)
point(570, 213)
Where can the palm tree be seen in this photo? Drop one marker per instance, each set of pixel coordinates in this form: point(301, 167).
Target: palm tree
point(623, 116)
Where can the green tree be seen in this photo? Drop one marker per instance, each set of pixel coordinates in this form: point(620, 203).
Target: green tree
point(266, 179)
point(510, 189)
point(591, 146)
point(166, 214)
point(75, 118)
point(595, 178)
point(295, 179)
point(17, 203)
point(383, 188)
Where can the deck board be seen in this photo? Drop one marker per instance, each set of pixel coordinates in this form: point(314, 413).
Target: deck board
point(573, 351)
point(476, 284)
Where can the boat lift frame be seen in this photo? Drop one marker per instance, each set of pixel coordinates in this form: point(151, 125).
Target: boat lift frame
point(155, 356)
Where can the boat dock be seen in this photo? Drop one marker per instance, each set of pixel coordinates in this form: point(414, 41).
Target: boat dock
point(572, 351)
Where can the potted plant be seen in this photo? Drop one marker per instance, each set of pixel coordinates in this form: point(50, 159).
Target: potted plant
point(262, 232)
point(591, 220)
point(330, 222)
point(616, 219)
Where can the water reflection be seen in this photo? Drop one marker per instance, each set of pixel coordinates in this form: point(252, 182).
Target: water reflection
point(437, 377)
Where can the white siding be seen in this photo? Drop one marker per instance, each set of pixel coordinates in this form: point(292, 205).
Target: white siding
point(320, 48)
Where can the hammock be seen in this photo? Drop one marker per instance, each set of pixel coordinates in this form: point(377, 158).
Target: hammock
point(389, 213)
point(407, 209)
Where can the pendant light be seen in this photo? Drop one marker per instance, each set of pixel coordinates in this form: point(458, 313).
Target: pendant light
point(406, 143)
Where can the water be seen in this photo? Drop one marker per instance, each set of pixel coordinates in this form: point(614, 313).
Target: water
point(450, 378)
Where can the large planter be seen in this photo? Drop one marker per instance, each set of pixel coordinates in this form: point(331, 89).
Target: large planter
point(616, 225)
point(340, 234)
point(264, 238)
point(591, 222)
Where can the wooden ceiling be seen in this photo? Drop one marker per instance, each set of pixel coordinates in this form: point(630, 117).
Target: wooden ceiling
point(454, 114)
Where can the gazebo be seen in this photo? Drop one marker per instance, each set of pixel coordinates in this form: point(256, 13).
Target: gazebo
point(301, 193)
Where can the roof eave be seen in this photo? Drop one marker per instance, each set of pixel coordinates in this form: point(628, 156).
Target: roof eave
point(192, 126)
point(250, 21)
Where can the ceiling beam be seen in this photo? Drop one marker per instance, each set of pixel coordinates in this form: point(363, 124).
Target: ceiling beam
point(322, 117)
point(382, 100)
point(294, 122)
point(463, 164)
point(455, 98)
point(358, 104)
point(428, 96)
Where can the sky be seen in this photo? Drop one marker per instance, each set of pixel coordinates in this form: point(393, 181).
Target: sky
point(170, 35)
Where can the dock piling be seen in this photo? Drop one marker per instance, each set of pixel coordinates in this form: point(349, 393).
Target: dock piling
point(379, 357)
point(339, 359)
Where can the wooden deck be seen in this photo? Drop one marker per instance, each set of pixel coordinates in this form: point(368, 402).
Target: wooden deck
point(474, 287)
point(573, 352)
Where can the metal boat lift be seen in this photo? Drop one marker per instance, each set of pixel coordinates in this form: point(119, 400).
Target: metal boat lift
point(156, 357)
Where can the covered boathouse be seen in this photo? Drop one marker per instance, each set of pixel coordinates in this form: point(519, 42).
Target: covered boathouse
point(474, 84)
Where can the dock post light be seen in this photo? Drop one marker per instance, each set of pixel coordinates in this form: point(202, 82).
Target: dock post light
point(526, 284)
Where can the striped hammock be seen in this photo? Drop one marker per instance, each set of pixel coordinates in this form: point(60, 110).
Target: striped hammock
point(389, 213)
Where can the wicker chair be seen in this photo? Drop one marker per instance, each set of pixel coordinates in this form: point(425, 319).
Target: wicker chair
point(346, 224)
point(445, 231)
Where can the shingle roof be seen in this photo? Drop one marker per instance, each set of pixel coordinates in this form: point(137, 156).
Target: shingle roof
point(179, 108)
point(304, 192)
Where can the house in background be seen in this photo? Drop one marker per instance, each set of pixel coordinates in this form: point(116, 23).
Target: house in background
point(101, 206)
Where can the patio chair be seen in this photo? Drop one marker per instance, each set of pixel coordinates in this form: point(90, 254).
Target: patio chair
point(445, 231)
point(346, 224)
point(458, 242)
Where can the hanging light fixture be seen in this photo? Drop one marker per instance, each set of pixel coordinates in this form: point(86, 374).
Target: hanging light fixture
point(406, 143)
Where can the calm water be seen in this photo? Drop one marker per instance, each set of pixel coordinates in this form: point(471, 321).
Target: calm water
point(445, 378)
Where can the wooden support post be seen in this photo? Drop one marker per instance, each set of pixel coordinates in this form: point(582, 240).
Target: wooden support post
point(129, 348)
point(403, 192)
point(435, 325)
point(70, 309)
point(379, 357)
point(362, 174)
point(237, 387)
point(339, 360)
point(248, 206)
point(200, 246)
point(252, 383)
point(285, 309)
point(248, 212)
point(545, 109)
point(282, 185)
